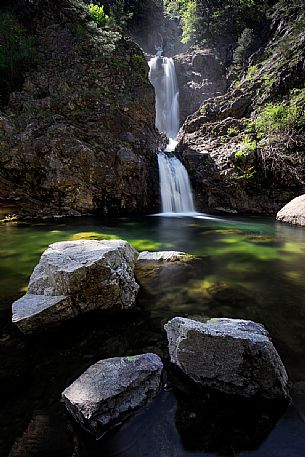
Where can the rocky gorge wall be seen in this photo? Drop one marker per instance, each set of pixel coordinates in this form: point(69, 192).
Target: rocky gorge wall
point(244, 150)
point(80, 136)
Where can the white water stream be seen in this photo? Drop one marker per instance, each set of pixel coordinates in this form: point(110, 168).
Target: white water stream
point(176, 193)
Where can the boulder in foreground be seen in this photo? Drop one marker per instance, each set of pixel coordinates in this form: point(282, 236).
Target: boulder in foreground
point(110, 390)
point(293, 212)
point(231, 355)
point(75, 277)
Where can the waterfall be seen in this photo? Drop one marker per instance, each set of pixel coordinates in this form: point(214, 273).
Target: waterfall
point(176, 193)
point(163, 77)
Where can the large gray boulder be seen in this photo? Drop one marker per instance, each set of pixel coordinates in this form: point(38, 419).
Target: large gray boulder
point(111, 389)
point(231, 355)
point(293, 212)
point(75, 277)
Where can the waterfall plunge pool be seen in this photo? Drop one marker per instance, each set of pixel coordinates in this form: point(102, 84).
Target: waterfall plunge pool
point(249, 268)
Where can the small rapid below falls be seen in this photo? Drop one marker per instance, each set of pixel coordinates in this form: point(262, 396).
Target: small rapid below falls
point(175, 188)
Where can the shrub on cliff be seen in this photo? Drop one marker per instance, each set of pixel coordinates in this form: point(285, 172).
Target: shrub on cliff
point(98, 15)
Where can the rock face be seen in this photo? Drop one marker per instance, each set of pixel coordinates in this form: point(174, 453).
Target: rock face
point(231, 163)
point(80, 136)
point(112, 389)
point(293, 212)
point(75, 277)
point(201, 76)
point(230, 355)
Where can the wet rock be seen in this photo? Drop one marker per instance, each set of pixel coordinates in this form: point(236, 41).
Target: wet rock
point(163, 256)
point(231, 355)
point(75, 277)
point(293, 212)
point(162, 271)
point(110, 390)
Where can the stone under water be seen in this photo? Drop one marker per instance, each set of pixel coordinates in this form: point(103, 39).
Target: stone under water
point(231, 355)
point(110, 390)
point(74, 277)
point(163, 256)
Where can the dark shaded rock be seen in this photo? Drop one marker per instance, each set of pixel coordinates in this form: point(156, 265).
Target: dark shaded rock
point(44, 436)
point(80, 135)
point(109, 391)
point(231, 355)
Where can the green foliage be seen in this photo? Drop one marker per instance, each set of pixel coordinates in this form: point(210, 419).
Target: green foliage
point(18, 52)
point(214, 20)
point(244, 48)
point(190, 20)
point(281, 116)
point(119, 15)
point(252, 71)
point(98, 15)
point(138, 59)
point(140, 67)
point(248, 145)
point(232, 131)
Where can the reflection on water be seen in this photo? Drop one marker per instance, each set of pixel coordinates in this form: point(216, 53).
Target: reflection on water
point(246, 268)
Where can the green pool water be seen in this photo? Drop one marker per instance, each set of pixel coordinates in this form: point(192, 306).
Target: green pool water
point(247, 268)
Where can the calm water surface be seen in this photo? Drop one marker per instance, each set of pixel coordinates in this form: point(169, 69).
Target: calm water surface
point(247, 268)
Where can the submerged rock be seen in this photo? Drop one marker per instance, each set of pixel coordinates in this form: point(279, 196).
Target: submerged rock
point(158, 271)
point(293, 212)
point(75, 277)
point(231, 355)
point(164, 256)
point(112, 389)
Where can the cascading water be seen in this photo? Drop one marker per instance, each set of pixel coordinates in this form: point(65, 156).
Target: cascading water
point(163, 77)
point(175, 185)
point(176, 193)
